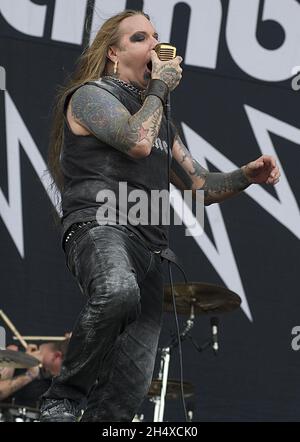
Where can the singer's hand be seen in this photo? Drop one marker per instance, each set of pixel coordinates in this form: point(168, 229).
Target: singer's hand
point(263, 170)
point(167, 71)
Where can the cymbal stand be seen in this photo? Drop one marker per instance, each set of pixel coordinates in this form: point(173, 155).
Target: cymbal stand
point(163, 376)
point(164, 369)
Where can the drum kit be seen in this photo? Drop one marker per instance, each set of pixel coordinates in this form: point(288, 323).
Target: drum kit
point(10, 412)
point(18, 413)
point(191, 299)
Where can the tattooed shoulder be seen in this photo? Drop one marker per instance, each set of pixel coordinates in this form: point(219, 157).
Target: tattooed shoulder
point(103, 114)
point(95, 107)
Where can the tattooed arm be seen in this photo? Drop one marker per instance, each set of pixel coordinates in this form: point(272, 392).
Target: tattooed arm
point(103, 115)
point(187, 173)
point(9, 386)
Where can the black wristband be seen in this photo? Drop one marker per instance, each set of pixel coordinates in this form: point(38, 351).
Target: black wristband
point(158, 88)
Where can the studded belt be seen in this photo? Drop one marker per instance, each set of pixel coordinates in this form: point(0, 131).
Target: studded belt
point(74, 229)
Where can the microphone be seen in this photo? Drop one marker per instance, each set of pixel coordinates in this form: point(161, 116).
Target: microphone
point(165, 51)
point(214, 322)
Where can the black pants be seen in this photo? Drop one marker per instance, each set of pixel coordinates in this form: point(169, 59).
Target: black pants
point(112, 351)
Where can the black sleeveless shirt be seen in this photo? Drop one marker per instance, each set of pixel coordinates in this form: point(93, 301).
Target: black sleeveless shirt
point(91, 166)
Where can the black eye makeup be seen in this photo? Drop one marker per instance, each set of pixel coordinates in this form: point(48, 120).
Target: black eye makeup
point(138, 36)
point(141, 36)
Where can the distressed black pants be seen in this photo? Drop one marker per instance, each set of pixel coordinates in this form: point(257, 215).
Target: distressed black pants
point(112, 350)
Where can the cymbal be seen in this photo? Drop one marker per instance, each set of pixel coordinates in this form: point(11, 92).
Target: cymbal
point(173, 389)
point(17, 359)
point(206, 298)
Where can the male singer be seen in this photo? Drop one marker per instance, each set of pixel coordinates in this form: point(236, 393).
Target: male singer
point(109, 126)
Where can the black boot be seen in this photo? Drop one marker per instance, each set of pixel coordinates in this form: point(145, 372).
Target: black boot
point(60, 410)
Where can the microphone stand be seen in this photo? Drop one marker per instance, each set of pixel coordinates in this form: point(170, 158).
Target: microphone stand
point(209, 343)
point(165, 362)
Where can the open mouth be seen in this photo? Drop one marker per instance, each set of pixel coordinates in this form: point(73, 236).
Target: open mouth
point(149, 66)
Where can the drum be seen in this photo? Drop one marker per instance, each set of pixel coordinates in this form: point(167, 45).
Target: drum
point(18, 413)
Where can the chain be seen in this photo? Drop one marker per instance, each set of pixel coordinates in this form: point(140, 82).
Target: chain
point(126, 85)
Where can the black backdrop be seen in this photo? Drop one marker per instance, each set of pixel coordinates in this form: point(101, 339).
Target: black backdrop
point(250, 243)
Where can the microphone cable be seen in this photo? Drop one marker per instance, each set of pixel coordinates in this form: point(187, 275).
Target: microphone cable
point(165, 52)
point(168, 118)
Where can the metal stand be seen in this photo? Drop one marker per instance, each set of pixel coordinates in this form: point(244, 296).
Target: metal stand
point(159, 401)
point(163, 376)
point(164, 370)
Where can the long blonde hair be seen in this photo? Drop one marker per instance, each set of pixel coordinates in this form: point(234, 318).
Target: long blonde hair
point(90, 66)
